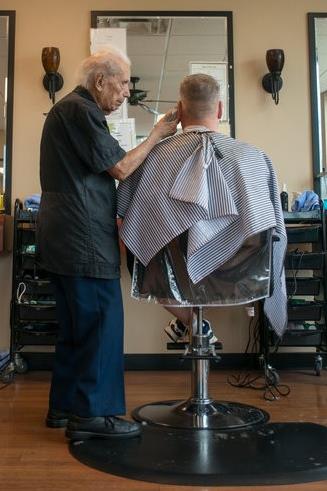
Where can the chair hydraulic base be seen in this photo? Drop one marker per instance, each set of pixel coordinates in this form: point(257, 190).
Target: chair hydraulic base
point(213, 415)
point(200, 411)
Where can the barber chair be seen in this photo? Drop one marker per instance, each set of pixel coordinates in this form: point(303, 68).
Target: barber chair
point(200, 439)
point(243, 279)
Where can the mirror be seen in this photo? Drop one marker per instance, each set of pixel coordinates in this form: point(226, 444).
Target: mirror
point(163, 48)
point(7, 40)
point(318, 79)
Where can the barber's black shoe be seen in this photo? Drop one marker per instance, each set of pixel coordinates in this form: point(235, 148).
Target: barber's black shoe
point(57, 419)
point(101, 427)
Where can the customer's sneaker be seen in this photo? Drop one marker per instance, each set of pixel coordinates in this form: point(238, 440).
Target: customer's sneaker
point(176, 331)
point(207, 330)
point(179, 333)
point(101, 427)
point(56, 418)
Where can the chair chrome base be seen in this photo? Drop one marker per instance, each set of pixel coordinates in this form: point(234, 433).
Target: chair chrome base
point(200, 411)
point(189, 414)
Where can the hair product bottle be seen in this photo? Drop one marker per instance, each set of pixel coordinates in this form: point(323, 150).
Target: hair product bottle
point(284, 198)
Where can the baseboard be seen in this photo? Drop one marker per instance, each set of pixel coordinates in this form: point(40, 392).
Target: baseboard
point(155, 361)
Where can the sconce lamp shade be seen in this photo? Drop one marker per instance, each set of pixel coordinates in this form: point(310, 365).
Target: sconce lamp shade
point(52, 80)
point(50, 59)
point(275, 60)
point(272, 82)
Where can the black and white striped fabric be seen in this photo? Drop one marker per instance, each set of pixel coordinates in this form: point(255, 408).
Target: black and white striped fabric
point(219, 189)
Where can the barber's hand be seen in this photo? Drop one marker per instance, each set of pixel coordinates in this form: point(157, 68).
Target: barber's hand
point(167, 126)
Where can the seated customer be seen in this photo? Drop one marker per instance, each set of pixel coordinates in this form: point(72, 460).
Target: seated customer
point(222, 191)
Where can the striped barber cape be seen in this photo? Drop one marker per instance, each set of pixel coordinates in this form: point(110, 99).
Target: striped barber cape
point(222, 191)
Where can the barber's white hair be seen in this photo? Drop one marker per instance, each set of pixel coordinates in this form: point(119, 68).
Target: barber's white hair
point(108, 62)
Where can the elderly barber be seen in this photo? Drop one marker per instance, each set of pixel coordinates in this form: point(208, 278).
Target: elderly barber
point(78, 244)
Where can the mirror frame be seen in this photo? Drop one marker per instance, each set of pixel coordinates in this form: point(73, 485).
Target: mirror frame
point(181, 13)
point(316, 157)
point(11, 14)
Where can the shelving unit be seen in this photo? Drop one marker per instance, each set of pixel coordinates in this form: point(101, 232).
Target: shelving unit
point(306, 283)
point(33, 308)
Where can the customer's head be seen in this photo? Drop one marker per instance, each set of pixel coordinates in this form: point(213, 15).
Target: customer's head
point(106, 76)
point(199, 99)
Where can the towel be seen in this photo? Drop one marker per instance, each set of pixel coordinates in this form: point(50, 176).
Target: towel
point(32, 202)
point(307, 201)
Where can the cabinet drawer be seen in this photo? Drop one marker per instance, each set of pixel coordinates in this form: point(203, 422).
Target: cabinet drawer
point(37, 339)
point(309, 311)
point(303, 286)
point(296, 235)
point(28, 216)
point(305, 260)
point(36, 312)
point(302, 216)
point(38, 287)
point(300, 338)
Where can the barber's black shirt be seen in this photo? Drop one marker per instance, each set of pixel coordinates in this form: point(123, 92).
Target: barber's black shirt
point(77, 232)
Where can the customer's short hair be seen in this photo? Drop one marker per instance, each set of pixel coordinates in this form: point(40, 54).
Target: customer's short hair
point(108, 62)
point(199, 94)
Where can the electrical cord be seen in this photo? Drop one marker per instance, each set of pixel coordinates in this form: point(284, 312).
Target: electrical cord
point(21, 289)
point(294, 270)
point(269, 381)
point(272, 389)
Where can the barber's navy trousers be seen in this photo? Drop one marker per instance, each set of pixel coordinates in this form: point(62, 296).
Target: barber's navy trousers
point(88, 375)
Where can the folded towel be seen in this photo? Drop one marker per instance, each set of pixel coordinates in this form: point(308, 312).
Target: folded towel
point(32, 202)
point(307, 201)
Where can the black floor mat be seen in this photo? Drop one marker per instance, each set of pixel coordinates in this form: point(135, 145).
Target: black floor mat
point(276, 453)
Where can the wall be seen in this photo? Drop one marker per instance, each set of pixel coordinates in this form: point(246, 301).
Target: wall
point(282, 131)
point(2, 142)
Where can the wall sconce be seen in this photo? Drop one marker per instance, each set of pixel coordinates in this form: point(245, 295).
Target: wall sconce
point(272, 82)
point(52, 80)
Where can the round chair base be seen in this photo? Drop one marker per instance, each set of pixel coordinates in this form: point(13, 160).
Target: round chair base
point(218, 415)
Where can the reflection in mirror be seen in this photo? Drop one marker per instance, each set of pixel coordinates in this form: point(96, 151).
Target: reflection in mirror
point(318, 74)
point(166, 47)
point(7, 26)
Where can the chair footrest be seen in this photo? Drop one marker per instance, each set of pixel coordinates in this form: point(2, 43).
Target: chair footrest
point(209, 356)
point(182, 346)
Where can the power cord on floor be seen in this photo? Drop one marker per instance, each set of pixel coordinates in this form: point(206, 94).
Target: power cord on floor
point(268, 382)
point(272, 389)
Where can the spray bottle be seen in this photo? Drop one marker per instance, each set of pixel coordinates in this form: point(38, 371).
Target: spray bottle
point(284, 198)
